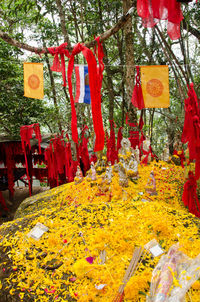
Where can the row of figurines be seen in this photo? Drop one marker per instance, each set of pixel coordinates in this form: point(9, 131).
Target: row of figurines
point(127, 169)
point(124, 175)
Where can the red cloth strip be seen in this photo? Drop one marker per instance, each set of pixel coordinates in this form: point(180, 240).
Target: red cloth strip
point(153, 10)
point(95, 92)
point(189, 196)
point(77, 49)
point(137, 96)
point(77, 84)
point(62, 51)
point(26, 133)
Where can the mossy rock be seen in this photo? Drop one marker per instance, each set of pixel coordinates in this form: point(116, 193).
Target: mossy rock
point(37, 202)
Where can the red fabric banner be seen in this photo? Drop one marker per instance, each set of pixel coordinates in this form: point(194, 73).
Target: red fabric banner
point(62, 51)
point(191, 128)
point(26, 133)
point(83, 150)
point(137, 96)
point(153, 10)
point(95, 92)
point(189, 196)
point(134, 138)
point(95, 79)
point(111, 148)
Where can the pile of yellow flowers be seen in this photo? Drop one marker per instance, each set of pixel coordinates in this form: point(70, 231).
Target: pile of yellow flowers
point(84, 223)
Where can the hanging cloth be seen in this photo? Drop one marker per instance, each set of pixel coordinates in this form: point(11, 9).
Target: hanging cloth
point(95, 79)
point(137, 96)
point(26, 133)
point(191, 128)
point(153, 11)
point(83, 150)
point(111, 148)
point(57, 66)
point(189, 196)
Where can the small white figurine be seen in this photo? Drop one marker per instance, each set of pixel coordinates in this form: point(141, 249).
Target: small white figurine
point(79, 176)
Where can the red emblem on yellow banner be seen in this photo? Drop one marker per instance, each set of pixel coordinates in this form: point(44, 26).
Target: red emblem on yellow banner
point(155, 86)
point(33, 80)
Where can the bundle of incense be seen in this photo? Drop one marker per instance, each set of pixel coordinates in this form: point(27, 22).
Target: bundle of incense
point(129, 273)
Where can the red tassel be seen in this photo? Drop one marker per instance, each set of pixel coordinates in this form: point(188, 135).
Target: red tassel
point(95, 93)
point(26, 133)
point(62, 51)
point(189, 196)
point(111, 148)
point(191, 128)
point(137, 97)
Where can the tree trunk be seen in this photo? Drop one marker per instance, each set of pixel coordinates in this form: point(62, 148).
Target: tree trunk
point(130, 63)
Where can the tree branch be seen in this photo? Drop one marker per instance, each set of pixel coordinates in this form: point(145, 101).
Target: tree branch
point(4, 36)
point(195, 32)
point(113, 30)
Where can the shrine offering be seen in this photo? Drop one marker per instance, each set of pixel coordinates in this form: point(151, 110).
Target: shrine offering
point(99, 241)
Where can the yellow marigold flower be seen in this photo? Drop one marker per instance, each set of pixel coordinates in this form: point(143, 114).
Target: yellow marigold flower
point(196, 285)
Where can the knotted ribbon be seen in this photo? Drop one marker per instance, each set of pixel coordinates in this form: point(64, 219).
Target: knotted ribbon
point(95, 92)
point(137, 96)
point(62, 51)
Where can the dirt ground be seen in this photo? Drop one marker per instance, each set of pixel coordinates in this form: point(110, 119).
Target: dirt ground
point(20, 194)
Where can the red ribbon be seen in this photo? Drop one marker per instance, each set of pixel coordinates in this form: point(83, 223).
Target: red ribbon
point(95, 81)
point(191, 128)
point(100, 55)
point(137, 96)
point(189, 196)
point(95, 92)
point(77, 49)
point(62, 51)
point(26, 133)
point(111, 149)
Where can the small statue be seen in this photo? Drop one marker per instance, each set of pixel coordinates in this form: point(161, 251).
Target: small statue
point(137, 154)
point(151, 185)
point(123, 180)
point(125, 147)
point(108, 175)
point(79, 176)
point(132, 170)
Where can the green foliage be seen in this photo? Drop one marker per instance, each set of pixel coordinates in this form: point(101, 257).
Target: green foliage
point(38, 23)
point(15, 109)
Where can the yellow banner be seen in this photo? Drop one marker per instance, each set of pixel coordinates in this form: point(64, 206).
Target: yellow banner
point(33, 80)
point(155, 86)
